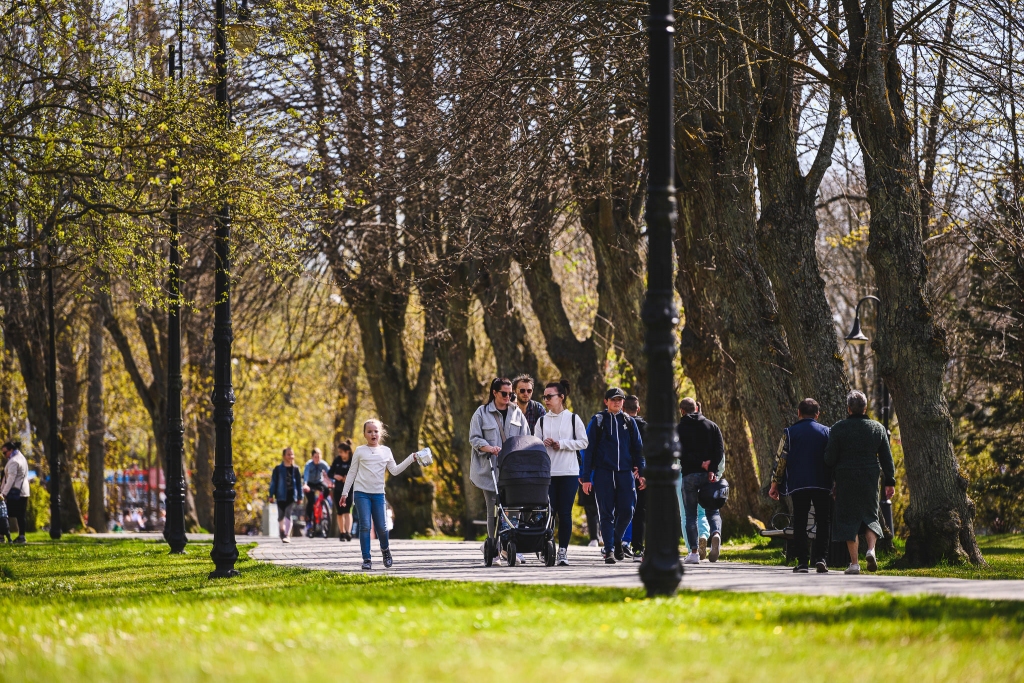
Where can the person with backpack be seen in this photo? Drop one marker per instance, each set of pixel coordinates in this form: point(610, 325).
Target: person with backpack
point(801, 473)
point(564, 436)
point(634, 536)
point(15, 487)
point(491, 425)
point(702, 459)
point(286, 490)
point(612, 461)
point(522, 390)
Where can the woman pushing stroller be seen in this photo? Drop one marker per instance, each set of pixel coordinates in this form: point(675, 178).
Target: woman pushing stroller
point(366, 478)
point(492, 424)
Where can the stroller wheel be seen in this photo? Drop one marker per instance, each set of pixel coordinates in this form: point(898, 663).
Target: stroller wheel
point(488, 553)
point(511, 554)
point(549, 554)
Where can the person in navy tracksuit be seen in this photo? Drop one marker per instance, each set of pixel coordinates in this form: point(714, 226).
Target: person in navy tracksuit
point(613, 458)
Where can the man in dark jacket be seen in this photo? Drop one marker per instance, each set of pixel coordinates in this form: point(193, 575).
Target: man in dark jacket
point(858, 450)
point(634, 536)
point(613, 458)
point(286, 490)
point(702, 458)
point(801, 473)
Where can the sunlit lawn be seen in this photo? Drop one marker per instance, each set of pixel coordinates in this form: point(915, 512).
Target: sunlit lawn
point(1004, 556)
point(125, 610)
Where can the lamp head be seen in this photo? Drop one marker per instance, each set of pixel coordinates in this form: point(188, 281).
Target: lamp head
point(241, 34)
point(857, 336)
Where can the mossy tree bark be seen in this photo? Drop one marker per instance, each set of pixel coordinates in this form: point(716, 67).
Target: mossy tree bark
point(910, 345)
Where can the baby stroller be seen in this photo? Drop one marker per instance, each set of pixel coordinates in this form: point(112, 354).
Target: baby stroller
point(523, 512)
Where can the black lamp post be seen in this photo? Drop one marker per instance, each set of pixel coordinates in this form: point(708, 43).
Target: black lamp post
point(224, 553)
point(53, 456)
point(661, 570)
point(174, 527)
point(856, 337)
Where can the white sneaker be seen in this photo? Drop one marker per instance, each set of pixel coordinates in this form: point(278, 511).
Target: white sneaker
point(520, 559)
point(872, 562)
point(716, 547)
point(593, 543)
point(562, 560)
point(285, 539)
point(692, 558)
point(853, 569)
point(702, 547)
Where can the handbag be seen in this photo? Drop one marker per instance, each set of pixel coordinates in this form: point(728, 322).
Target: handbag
point(713, 495)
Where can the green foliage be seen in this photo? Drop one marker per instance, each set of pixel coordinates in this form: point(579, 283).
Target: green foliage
point(37, 512)
point(126, 610)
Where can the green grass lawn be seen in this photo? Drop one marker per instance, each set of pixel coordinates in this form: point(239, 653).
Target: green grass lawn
point(1004, 555)
point(125, 610)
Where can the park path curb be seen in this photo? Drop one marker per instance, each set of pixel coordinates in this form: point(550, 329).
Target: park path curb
point(455, 561)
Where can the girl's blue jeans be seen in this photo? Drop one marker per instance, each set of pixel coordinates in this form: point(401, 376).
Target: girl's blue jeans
point(371, 506)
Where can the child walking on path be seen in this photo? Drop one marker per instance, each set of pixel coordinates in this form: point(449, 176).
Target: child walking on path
point(366, 479)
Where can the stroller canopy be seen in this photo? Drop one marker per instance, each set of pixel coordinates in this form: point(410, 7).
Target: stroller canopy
point(523, 460)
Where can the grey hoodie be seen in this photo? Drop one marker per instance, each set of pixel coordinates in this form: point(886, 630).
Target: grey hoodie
point(485, 429)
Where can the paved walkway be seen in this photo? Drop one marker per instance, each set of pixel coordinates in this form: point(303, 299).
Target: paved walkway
point(464, 562)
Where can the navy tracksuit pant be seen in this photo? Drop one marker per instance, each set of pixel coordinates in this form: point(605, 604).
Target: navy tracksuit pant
point(616, 498)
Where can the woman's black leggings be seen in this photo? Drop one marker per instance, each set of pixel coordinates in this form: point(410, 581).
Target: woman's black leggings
point(562, 495)
point(16, 508)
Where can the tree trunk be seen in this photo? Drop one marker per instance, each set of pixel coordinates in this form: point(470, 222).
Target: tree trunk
point(96, 424)
point(348, 396)
point(581, 362)
point(713, 371)
point(910, 346)
point(716, 189)
point(400, 404)
point(71, 413)
point(504, 325)
point(788, 226)
point(455, 354)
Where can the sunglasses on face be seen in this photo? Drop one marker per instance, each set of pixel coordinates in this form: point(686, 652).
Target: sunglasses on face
point(526, 391)
point(548, 397)
point(506, 394)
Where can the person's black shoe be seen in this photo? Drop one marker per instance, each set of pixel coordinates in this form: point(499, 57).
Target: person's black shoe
point(619, 555)
point(20, 540)
point(800, 569)
point(608, 558)
point(821, 567)
point(387, 558)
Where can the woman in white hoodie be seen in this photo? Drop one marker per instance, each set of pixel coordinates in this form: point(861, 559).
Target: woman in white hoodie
point(564, 435)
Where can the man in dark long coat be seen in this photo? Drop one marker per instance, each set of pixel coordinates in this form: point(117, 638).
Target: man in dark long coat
point(857, 451)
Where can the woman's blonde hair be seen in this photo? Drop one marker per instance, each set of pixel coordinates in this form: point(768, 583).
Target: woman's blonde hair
point(316, 451)
point(380, 427)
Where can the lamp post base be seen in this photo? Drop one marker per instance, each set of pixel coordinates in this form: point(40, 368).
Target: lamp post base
point(661, 579)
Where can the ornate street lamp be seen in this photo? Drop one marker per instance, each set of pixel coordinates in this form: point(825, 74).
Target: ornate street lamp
point(661, 570)
point(225, 551)
point(174, 527)
point(856, 337)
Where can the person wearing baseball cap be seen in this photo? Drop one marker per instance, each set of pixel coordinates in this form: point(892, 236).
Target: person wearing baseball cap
point(611, 463)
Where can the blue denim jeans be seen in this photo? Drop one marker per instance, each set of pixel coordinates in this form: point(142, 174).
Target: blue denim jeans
point(371, 506)
point(703, 528)
point(691, 482)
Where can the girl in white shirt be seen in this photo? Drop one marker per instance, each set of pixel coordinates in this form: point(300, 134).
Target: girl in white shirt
point(366, 478)
point(564, 435)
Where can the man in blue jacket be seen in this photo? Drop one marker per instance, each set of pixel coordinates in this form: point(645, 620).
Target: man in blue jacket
point(801, 473)
point(286, 490)
point(611, 461)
